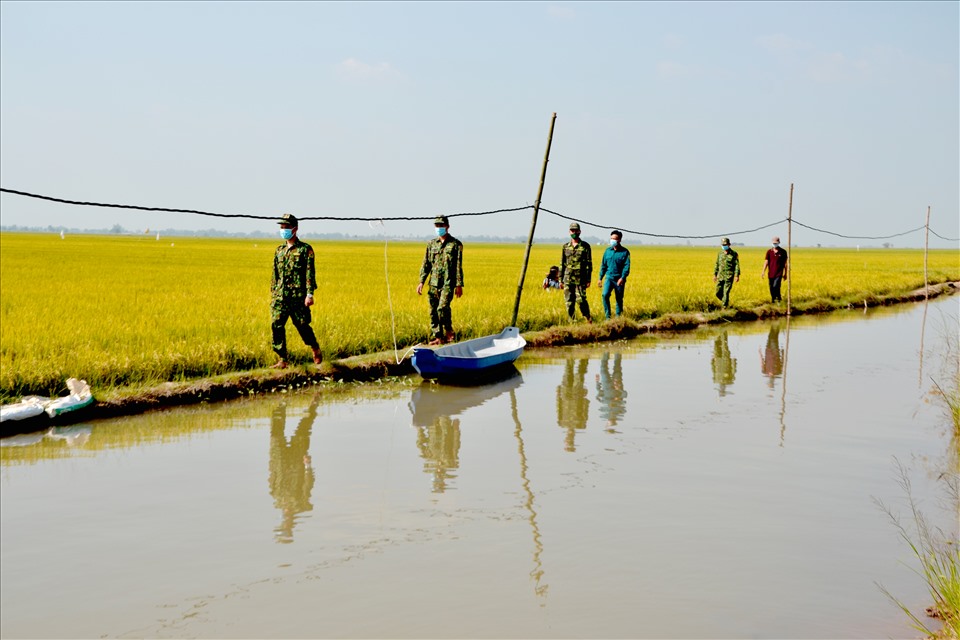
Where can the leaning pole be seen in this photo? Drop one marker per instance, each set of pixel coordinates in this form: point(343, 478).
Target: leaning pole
point(533, 223)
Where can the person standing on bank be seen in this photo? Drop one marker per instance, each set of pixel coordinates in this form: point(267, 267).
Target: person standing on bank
point(292, 286)
point(443, 266)
point(576, 270)
point(616, 266)
point(726, 271)
point(775, 268)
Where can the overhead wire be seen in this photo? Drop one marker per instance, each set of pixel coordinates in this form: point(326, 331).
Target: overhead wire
point(381, 219)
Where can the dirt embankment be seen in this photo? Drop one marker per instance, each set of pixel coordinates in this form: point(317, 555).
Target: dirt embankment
point(383, 365)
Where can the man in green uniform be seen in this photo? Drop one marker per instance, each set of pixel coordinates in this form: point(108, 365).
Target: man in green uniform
point(726, 271)
point(576, 270)
point(443, 266)
point(294, 281)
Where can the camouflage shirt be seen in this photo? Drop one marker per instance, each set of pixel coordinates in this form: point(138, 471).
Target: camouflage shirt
point(728, 265)
point(294, 271)
point(443, 263)
point(576, 266)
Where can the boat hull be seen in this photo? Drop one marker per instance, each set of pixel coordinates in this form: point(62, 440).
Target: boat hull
point(477, 357)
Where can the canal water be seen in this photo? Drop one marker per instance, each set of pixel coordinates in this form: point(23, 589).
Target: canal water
point(722, 483)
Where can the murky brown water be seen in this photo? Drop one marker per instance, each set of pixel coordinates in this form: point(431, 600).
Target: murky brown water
point(714, 484)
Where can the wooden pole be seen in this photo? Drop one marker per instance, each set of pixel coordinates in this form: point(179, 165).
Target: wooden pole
point(926, 250)
point(789, 265)
point(533, 223)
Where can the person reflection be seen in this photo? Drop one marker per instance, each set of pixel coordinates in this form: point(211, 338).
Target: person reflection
point(771, 358)
point(573, 406)
point(439, 446)
point(610, 391)
point(724, 367)
point(291, 472)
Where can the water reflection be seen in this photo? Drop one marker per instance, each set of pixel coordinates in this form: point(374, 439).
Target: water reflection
point(539, 588)
point(610, 392)
point(724, 366)
point(573, 405)
point(771, 357)
point(438, 432)
point(291, 471)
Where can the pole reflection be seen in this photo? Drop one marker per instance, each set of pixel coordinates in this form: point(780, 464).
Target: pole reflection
point(573, 405)
point(723, 365)
point(611, 393)
point(291, 471)
point(539, 588)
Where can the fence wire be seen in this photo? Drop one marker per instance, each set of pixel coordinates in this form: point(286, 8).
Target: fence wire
point(468, 214)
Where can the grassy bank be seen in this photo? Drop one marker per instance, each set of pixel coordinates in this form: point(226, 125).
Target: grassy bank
point(131, 314)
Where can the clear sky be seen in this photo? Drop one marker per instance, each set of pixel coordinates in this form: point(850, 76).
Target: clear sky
point(679, 118)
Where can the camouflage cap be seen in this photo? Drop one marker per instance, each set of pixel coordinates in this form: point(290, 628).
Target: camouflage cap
point(725, 241)
point(441, 221)
point(288, 218)
point(574, 226)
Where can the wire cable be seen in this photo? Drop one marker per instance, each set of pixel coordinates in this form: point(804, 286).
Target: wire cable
point(839, 235)
point(254, 217)
point(660, 235)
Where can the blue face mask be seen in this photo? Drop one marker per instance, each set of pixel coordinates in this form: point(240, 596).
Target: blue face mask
point(441, 231)
point(613, 242)
point(725, 247)
point(286, 234)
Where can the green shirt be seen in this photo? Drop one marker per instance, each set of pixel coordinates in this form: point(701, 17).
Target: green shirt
point(576, 266)
point(294, 271)
point(443, 263)
point(728, 265)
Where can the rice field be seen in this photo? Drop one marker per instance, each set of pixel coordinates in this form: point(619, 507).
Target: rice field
point(132, 310)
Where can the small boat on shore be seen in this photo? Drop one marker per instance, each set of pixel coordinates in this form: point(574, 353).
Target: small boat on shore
point(476, 357)
point(35, 413)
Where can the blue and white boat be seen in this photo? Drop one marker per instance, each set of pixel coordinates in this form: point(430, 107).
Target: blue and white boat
point(470, 357)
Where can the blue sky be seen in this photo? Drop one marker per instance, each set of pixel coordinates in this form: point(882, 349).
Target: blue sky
point(680, 118)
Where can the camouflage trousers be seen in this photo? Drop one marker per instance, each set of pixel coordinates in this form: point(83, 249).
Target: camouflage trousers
point(576, 294)
point(441, 320)
point(299, 313)
point(723, 291)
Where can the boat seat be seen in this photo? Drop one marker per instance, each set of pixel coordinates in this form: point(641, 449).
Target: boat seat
point(459, 351)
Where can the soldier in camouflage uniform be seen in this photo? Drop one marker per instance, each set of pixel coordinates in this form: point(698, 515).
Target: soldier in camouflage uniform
point(576, 270)
point(443, 266)
point(294, 281)
point(726, 271)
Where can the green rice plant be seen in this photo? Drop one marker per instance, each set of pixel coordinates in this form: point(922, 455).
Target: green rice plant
point(938, 556)
point(122, 310)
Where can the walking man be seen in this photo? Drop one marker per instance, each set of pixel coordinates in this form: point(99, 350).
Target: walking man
point(294, 281)
point(775, 268)
point(443, 266)
point(576, 269)
point(616, 266)
point(726, 271)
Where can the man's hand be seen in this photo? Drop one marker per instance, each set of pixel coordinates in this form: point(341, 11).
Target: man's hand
point(600, 282)
point(420, 289)
point(736, 278)
point(620, 282)
point(458, 291)
point(308, 301)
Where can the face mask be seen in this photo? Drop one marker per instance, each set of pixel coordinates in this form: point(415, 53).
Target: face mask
point(725, 247)
point(776, 244)
point(613, 242)
point(574, 235)
point(441, 231)
point(286, 234)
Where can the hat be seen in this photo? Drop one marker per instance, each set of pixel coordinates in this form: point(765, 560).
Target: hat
point(574, 226)
point(725, 242)
point(776, 239)
point(288, 218)
point(441, 221)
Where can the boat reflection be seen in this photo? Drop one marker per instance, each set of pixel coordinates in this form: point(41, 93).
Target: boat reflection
point(573, 405)
point(291, 472)
point(610, 391)
point(434, 408)
point(723, 365)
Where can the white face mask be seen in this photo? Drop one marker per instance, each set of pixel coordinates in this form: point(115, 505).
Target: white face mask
point(776, 244)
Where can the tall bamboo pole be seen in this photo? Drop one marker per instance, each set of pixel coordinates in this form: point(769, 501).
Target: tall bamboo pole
point(533, 223)
point(789, 266)
point(926, 250)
